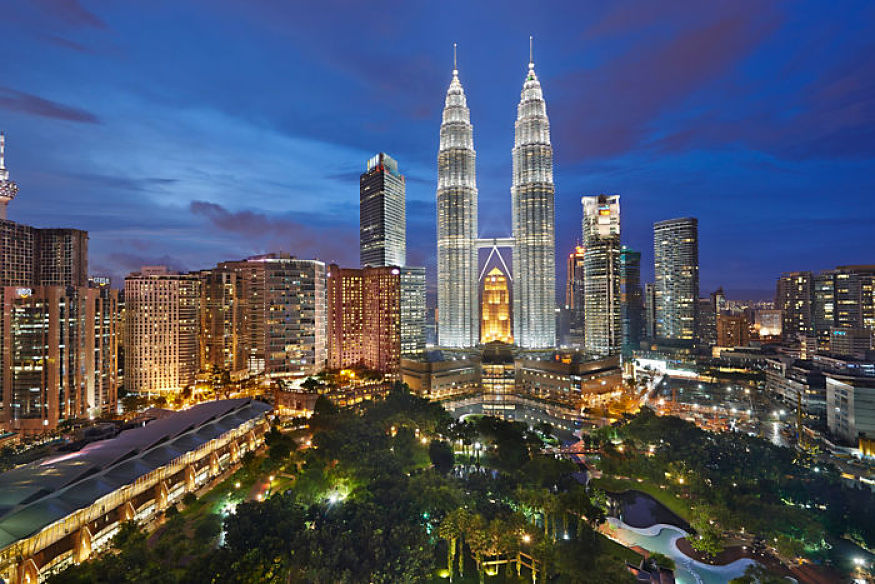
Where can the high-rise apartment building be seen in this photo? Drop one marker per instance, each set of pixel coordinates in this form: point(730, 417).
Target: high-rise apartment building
point(221, 322)
point(104, 317)
point(457, 223)
point(603, 327)
point(285, 326)
point(631, 299)
point(794, 295)
point(383, 221)
point(365, 317)
point(533, 219)
point(495, 323)
point(162, 309)
point(676, 270)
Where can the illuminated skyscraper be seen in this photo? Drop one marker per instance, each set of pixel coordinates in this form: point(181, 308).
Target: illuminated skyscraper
point(676, 269)
point(383, 223)
point(457, 223)
point(532, 190)
point(603, 329)
point(495, 313)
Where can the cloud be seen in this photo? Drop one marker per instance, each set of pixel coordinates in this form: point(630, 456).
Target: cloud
point(312, 236)
point(71, 12)
point(18, 101)
point(612, 108)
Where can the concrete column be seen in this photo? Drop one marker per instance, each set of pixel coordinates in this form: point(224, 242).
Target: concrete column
point(27, 572)
point(82, 547)
point(235, 451)
point(161, 495)
point(190, 474)
point(214, 463)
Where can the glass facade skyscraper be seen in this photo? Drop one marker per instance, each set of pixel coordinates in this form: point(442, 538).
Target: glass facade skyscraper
point(532, 191)
point(382, 214)
point(676, 271)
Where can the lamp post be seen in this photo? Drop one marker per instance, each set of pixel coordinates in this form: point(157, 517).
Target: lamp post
point(477, 447)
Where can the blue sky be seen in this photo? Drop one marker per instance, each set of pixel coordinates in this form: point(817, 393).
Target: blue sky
point(189, 133)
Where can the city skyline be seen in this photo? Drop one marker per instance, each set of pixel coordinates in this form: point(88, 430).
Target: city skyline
point(168, 187)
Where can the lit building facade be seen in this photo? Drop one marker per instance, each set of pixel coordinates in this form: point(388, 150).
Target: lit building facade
point(413, 308)
point(603, 328)
point(533, 219)
point(676, 270)
point(495, 322)
point(162, 311)
point(383, 220)
point(284, 312)
point(365, 318)
point(457, 223)
point(221, 322)
point(733, 330)
point(574, 295)
point(850, 407)
point(794, 296)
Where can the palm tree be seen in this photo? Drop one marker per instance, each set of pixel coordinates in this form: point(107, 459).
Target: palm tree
point(452, 530)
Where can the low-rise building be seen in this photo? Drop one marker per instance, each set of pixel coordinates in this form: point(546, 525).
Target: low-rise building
point(850, 412)
point(59, 511)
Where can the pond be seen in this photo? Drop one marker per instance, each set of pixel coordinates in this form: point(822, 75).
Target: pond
point(639, 509)
point(663, 539)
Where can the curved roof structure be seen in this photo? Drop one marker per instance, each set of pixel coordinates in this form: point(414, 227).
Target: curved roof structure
point(36, 495)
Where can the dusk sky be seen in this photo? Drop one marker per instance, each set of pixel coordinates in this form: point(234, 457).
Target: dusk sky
point(189, 133)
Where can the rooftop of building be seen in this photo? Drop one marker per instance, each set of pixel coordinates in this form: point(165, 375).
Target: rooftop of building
point(40, 493)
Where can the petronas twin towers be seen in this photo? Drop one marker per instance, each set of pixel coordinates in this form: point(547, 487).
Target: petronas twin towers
point(533, 216)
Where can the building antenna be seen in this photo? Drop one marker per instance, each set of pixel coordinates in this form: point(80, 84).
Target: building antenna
point(2, 151)
point(455, 68)
point(531, 52)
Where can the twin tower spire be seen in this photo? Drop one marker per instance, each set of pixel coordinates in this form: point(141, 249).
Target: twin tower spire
point(532, 209)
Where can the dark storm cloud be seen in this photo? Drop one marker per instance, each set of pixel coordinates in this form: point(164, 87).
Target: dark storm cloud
point(19, 101)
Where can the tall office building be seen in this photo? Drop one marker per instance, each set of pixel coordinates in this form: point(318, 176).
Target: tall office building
point(162, 309)
point(495, 322)
point(533, 218)
point(457, 223)
point(574, 295)
point(794, 295)
point(103, 315)
point(413, 307)
point(631, 299)
point(603, 329)
point(383, 220)
point(676, 270)
point(8, 188)
point(284, 313)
